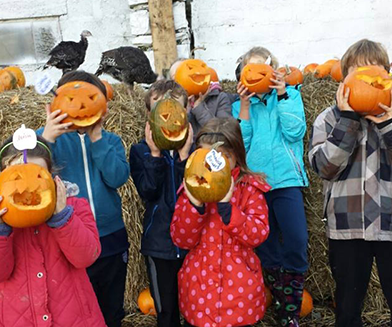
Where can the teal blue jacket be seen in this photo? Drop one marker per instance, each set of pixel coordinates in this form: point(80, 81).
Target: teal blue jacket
point(273, 138)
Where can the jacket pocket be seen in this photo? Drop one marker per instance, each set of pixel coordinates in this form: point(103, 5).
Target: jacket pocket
point(151, 220)
point(81, 289)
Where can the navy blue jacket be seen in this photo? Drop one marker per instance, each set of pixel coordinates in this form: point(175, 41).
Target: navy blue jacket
point(157, 181)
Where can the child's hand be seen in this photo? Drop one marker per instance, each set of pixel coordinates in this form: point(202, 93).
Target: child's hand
point(95, 132)
point(155, 152)
point(385, 117)
point(61, 194)
point(229, 194)
point(342, 98)
point(244, 94)
point(184, 151)
point(201, 97)
point(191, 198)
point(2, 211)
point(53, 127)
point(280, 83)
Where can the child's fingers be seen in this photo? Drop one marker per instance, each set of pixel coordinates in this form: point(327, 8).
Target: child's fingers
point(2, 212)
point(59, 118)
point(47, 109)
point(386, 108)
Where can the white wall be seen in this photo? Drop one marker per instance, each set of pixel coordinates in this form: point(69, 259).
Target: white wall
point(297, 32)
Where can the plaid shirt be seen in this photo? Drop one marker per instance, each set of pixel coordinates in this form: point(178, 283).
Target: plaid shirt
point(354, 157)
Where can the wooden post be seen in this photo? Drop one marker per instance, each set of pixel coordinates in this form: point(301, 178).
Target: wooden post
point(163, 34)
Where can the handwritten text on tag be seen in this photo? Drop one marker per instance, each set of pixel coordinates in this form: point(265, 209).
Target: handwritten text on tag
point(215, 160)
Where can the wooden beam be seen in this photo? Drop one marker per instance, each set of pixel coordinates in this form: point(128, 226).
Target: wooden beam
point(163, 34)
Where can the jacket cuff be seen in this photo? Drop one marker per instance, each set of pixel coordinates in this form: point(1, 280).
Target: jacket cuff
point(350, 115)
point(283, 96)
point(224, 210)
point(61, 218)
point(384, 123)
point(201, 210)
point(5, 230)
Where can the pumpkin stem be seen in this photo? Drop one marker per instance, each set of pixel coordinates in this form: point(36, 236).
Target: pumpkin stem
point(216, 145)
point(288, 70)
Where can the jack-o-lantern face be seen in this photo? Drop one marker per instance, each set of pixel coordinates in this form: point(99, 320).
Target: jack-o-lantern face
point(28, 192)
point(8, 80)
point(169, 124)
point(369, 86)
point(257, 77)
point(193, 76)
point(84, 103)
point(292, 75)
point(204, 182)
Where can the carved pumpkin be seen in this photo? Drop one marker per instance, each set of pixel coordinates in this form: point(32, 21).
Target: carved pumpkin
point(213, 74)
point(146, 303)
point(292, 75)
point(18, 73)
point(336, 72)
point(193, 75)
point(257, 77)
point(169, 124)
point(369, 86)
point(307, 304)
point(109, 90)
point(28, 192)
point(8, 80)
point(84, 103)
point(205, 184)
point(310, 68)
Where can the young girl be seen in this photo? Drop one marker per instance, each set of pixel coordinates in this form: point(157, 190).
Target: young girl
point(43, 281)
point(273, 125)
point(220, 282)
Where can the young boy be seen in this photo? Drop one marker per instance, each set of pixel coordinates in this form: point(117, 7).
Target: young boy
point(157, 176)
point(95, 160)
point(353, 154)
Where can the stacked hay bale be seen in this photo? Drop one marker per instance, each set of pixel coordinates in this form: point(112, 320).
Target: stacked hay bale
point(127, 118)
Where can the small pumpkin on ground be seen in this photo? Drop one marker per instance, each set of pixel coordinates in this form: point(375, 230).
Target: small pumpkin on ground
point(310, 68)
point(8, 80)
point(29, 194)
point(336, 72)
point(292, 75)
point(323, 70)
point(257, 77)
point(146, 303)
point(307, 304)
point(18, 73)
point(193, 75)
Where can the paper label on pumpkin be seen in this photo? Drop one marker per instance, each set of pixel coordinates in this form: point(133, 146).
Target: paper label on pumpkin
point(24, 138)
point(215, 160)
point(44, 84)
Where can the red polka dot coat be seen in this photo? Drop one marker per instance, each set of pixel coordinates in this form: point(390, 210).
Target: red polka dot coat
point(220, 282)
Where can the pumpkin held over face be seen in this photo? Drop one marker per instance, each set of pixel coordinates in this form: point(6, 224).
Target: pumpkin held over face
point(8, 80)
point(292, 75)
point(193, 75)
point(146, 302)
point(169, 124)
point(84, 103)
point(28, 192)
point(18, 73)
point(257, 77)
point(203, 181)
point(369, 86)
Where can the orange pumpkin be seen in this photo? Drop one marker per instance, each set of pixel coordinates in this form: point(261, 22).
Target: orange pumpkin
point(193, 75)
point(29, 194)
point(292, 75)
point(336, 72)
point(213, 74)
point(84, 103)
point(8, 80)
point(310, 68)
point(18, 73)
point(109, 90)
point(204, 182)
point(369, 86)
point(331, 62)
point(257, 77)
point(307, 304)
point(146, 303)
point(323, 70)
point(169, 124)
point(2, 89)
point(268, 297)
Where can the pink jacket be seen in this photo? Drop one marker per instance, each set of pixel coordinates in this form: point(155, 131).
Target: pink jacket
point(43, 281)
point(220, 282)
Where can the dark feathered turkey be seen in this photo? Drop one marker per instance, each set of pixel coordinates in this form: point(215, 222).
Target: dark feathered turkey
point(128, 65)
point(69, 55)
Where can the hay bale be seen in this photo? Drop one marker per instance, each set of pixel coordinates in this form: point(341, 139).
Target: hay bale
point(127, 118)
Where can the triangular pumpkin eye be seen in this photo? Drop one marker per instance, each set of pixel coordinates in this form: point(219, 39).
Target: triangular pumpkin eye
point(93, 97)
point(165, 117)
point(177, 123)
point(82, 106)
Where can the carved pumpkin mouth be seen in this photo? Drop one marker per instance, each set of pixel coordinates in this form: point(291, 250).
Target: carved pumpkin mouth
point(84, 121)
point(174, 135)
point(30, 200)
point(377, 82)
point(200, 78)
point(255, 80)
point(197, 181)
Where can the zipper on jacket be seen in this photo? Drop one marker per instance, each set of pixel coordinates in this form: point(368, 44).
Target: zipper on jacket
point(298, 166)
point(152, 220)
point(87, 174)
point(171, 161)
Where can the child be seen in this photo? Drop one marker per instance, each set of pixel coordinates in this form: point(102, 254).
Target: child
point(352, 154)
point(203, 107)
point(220, 282)
point(157, 176)
point(273, 126)
point(43, 278)
point(95, 160)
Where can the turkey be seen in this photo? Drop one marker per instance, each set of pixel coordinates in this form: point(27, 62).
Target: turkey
point(128, 65)
point(69, 55)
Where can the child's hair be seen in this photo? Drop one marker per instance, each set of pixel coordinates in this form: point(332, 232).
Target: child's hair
point(168, 73)
point(365, 52)
point(227, 130)
point(9, 153)
point(259, 52)
point(160, 88)
point(81, 75)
